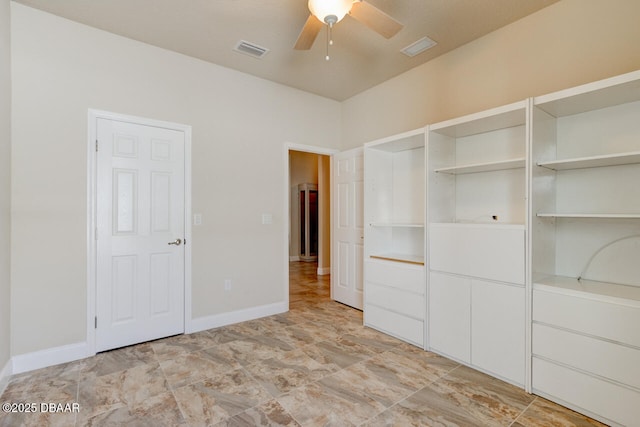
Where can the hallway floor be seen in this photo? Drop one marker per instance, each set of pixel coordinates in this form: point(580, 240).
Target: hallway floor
point(313, 366)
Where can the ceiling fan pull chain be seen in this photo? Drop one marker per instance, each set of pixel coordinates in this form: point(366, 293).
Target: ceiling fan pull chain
point(329, 41)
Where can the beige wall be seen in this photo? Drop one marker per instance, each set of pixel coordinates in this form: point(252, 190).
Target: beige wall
point(566, 44)
point(5, 182)
point(240, 127)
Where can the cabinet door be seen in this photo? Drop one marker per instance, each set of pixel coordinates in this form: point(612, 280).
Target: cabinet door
point(450, 315)
point(493, 252)
point(498, 331)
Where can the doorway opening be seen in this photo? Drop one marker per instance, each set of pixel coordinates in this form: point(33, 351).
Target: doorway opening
point(309, 231)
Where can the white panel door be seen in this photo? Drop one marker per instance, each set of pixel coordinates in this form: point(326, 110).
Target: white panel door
point(140, 233)
point(348, 228)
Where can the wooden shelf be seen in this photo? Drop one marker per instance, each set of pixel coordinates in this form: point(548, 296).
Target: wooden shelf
point(588, 215)
point(484, 167)
point(612, 292)
point(618, 159)
point(404, 258)
point(397, 224)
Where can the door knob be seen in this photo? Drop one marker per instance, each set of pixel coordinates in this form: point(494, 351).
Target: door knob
point(177, 242)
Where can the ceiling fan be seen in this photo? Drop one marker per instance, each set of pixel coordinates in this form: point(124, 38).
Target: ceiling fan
point(330, 12)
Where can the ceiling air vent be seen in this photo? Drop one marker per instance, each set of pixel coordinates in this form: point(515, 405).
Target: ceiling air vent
point(418, 46)
point(251, 49)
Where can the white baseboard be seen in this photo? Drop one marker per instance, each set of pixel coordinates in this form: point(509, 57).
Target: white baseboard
point(294, 258)
point(218, 320)
point(49, 357)
point(68, 353)
point(5, 376)
point(324, 271)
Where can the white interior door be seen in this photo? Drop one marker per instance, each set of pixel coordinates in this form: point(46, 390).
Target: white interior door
point(348, 234)
point(140, 233)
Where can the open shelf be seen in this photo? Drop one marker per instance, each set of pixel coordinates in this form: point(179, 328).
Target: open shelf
point(484, 167)
point(618, 159)
point(487, 121)
point(397, 257)
point(397, 224)
point(605, 291)
point(478, 224)
point(588, 215)
point(592, 96)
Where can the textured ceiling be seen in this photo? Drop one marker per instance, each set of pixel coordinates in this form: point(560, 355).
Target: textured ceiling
point(360, 58)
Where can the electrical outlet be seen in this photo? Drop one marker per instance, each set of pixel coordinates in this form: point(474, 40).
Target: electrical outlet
point(227, 284)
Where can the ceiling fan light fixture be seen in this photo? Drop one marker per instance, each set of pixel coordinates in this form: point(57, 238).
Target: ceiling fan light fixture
point(330, 11)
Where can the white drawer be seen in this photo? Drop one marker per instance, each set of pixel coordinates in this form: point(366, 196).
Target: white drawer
point(491, 252)
point(396, 275)
point(608, 320)
point(603, 358)
point(392, 299)
point(586, 393)
point(395, 324)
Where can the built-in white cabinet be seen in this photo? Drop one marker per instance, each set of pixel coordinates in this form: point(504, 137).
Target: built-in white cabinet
point(585, 227)
point(510, 242)
point(394, 249)
point(477, 216)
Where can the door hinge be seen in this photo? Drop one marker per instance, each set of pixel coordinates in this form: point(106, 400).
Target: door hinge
point(96, 145)
point(95, 322)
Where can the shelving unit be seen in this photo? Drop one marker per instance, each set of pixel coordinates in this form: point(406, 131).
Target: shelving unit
point(477, 219)
point(394, 247)
point(584, 219)
point(519, 254)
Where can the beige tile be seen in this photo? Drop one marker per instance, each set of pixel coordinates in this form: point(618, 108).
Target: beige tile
point(270, 414)
point(291, 370)
point(328, 404)
point(217, 399)
point(543, 413)
point(464, 397)
point(195, 367)
point(160, 410)
point(129, 388)
point(323, 367)
point(118, 360)
point(172, 347)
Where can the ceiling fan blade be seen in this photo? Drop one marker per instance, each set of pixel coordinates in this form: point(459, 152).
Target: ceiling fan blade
point(375, 19)
point(309, 33)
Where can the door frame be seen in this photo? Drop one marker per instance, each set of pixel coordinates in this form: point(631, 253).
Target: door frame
point(92, 197)
point(287, 205)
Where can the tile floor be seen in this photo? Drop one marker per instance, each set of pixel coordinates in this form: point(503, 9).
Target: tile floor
point(313, 366)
